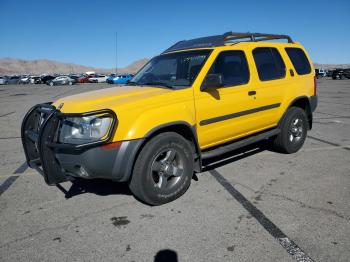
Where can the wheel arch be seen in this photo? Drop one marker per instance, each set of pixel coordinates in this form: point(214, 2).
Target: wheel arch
point(182, 128)
point(302, 102)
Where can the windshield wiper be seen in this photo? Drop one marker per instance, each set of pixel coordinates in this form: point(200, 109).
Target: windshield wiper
point(157, 84)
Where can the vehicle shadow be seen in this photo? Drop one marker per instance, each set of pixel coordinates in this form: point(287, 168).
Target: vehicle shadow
point(101, 187)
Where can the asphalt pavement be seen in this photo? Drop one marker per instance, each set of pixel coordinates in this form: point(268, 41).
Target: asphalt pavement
point(250, 205)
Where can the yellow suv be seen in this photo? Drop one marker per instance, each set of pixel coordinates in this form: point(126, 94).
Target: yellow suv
point(199, 99)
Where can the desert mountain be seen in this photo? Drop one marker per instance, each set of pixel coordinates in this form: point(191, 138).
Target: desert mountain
point(10, 66)
point(331, 66)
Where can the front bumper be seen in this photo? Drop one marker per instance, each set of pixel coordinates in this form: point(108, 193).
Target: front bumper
point(62, 162)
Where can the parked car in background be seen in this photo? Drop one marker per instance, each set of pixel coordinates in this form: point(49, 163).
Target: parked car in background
point(98, 79)
point(320, 72)
point(35, 80)
point(84, 78)
point(122, 79)
point(3, 80)
point(47, 78)
point(109, 79)
point(25, 79)
point(341, 74)
point(329, 73)
point(75, 78)
point(61, 80)
point(13, 80)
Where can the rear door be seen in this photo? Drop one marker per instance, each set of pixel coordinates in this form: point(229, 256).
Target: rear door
point(271, 85)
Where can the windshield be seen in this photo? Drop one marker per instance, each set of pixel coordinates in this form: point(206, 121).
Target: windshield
point(172, 70)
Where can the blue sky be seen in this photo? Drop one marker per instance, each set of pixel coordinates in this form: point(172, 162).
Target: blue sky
point(83, 32)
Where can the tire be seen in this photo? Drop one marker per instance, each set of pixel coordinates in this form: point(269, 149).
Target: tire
point(51, 83)
point(163, 170)
point(293, 127)
point(70, 83)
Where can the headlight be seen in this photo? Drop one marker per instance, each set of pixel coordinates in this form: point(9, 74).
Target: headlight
point(83, 130)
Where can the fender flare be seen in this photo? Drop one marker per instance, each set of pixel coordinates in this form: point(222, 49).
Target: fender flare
point(309, 114)
point(193, 134)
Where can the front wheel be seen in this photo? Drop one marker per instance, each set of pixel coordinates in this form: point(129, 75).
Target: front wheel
point(163, 169)
point(51, 83)
point(293, 131)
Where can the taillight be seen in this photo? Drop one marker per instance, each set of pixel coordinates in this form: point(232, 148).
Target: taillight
point(315, 85)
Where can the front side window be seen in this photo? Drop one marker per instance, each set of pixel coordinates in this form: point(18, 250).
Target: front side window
point(269, 63)
point(172, 70)
point(299, 60)
point(233, 67)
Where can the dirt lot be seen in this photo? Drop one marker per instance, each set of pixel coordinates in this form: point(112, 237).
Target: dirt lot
point(255, 205)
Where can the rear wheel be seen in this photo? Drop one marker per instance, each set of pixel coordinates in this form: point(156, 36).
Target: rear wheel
point(293, 131)
point(163, 169)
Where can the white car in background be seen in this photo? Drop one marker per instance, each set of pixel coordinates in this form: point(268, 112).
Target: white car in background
point(24, 79)
point(98, 79)
point(3, 80)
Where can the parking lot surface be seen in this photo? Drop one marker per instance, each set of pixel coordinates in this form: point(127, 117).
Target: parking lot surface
point(253, 205)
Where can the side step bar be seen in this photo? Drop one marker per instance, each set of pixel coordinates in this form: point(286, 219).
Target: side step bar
point(241, 143)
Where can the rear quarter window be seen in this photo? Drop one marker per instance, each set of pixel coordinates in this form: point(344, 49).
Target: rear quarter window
point(299, 60)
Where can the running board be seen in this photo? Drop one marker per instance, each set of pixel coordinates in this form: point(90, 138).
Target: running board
point(238, 144)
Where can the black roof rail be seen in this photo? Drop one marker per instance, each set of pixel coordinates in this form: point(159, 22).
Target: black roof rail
point(226, 38)
point(255, 37)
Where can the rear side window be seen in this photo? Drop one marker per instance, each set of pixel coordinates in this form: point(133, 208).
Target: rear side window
point(299, 60)
point(269, 63)
point(233, 66)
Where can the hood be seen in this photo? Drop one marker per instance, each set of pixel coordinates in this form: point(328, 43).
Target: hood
point(115, 97)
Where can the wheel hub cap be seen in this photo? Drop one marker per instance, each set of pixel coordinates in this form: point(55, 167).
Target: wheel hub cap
point(296, 130)
point(167, 169)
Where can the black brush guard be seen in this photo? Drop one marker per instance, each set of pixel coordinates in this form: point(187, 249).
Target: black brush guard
point(39, 134)
point(38, 126)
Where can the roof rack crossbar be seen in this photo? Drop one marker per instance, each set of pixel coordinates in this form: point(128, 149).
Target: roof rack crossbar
point(227, 38)
point(255, 37)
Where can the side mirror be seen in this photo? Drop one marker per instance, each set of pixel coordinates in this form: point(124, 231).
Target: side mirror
point(212, 81)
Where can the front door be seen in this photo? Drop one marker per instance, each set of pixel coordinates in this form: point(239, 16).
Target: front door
point(223, 113)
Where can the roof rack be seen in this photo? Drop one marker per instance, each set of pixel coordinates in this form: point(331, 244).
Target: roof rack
point(224, 39)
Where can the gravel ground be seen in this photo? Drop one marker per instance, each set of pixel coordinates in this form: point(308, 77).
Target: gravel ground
point(254, 206)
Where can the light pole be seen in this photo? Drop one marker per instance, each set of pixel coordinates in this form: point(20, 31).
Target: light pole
point(116, 53)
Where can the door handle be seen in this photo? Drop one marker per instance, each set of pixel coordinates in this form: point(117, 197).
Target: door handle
point(251, 93)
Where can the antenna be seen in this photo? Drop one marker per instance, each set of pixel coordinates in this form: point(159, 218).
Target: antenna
point(116, 53)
